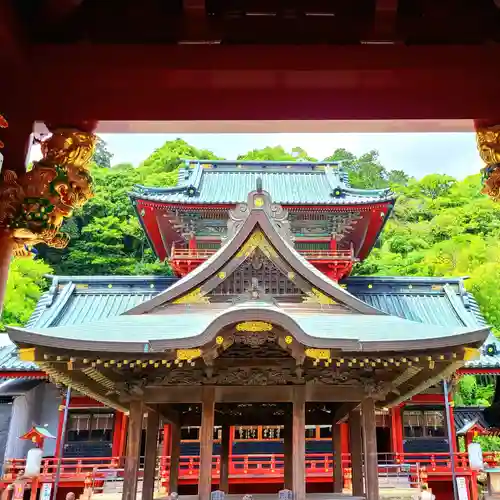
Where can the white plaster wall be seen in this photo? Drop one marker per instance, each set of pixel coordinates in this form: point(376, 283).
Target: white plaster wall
point(37, 407)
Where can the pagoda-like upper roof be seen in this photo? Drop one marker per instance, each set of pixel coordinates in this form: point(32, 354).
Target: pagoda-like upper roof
point(290, 183)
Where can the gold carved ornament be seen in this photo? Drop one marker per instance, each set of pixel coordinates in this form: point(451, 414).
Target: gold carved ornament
point(488, 144)
point(187, 355)
point(254, 326)
point(318, 355)
point(256, 240)
point(315, 296)
point(34, 205)
point(196, 296)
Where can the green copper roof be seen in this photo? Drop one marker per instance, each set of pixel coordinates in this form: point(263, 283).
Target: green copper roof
point(94, 298)
point(222, 182)
point(155, 332)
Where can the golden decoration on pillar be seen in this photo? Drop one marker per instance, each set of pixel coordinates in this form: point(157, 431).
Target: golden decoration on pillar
point(254, 326)
point(488, 144)
point(35, 205)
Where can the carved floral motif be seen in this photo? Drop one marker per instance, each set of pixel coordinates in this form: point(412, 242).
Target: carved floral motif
point(35, 205)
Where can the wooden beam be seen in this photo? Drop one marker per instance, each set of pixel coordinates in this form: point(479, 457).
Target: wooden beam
point(356, 453)
point(370, 446)
point(175, 453)
point(224, 459)
point(342, 412)
point(150, 458)
point(250, 394)
point(133, 451)
point(206, 443)
point(338, 476)
point(299, 443)
point(362, 82)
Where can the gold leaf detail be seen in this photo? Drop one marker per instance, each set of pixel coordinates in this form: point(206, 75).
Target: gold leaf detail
point(258, 202)
point(195, 296)
point(187, 354)
point(318, 354)
point(254, 326)
point(318, 297)
point(471, 354)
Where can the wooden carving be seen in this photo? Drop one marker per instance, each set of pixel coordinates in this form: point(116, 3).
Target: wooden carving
point(37, 203)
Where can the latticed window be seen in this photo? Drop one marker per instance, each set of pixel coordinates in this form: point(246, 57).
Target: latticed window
point(424, 424)
point(90, 427)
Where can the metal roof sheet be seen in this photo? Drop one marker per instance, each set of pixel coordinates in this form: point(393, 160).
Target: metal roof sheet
point(9, 361)
point(308, 184)
point(361, 329)
point(466, 417)
point(95, 298)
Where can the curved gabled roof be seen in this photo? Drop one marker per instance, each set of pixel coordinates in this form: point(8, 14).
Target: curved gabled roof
point(258, 219)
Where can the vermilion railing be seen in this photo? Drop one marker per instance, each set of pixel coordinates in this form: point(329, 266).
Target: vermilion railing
point(258, 466)
point(205, 253)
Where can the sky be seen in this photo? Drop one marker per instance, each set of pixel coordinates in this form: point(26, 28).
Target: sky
point(418, 154)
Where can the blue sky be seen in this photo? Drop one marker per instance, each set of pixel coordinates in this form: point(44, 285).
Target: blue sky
point(418, 154)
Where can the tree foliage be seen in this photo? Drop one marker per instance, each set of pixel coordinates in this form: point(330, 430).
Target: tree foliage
point(24, 287)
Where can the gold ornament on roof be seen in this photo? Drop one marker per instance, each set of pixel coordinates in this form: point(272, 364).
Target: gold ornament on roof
point(196, 296)
point(34, 205)
point(318, 354)
point(187, 354)
point(254, 326)
point(318, 297)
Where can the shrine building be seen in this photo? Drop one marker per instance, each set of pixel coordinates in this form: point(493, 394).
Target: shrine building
point(264, 328)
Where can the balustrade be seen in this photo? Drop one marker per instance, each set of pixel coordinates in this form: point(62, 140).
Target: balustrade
point(256, 466)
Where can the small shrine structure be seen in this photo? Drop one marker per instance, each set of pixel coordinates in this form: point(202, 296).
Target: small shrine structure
point(288, 346)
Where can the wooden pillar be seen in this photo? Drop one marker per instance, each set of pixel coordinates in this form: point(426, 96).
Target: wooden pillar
point(288, 454)
point(356, 453)
point(133, 451)
point(175, 453)
point(370, 447)
point(206, 443)
point(299, 444)
point(150, 455)
point(224, 459)
point(338, 476)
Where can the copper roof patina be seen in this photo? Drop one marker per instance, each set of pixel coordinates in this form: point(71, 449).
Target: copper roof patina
point(292, 183)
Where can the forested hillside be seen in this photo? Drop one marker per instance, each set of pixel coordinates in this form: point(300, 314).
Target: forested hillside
point(440, 227)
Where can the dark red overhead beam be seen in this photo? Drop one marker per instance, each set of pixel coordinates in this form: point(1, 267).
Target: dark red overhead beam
point(202, 82)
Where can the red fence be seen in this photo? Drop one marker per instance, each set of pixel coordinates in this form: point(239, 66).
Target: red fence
point(319, 466)
point(205, 253)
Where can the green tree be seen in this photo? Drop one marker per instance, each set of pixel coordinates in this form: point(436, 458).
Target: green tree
point(102, 157)
point(24, 287)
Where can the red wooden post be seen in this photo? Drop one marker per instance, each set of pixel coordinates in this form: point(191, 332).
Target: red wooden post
point(117, 432)
point(165, 448)
point(59, 435)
